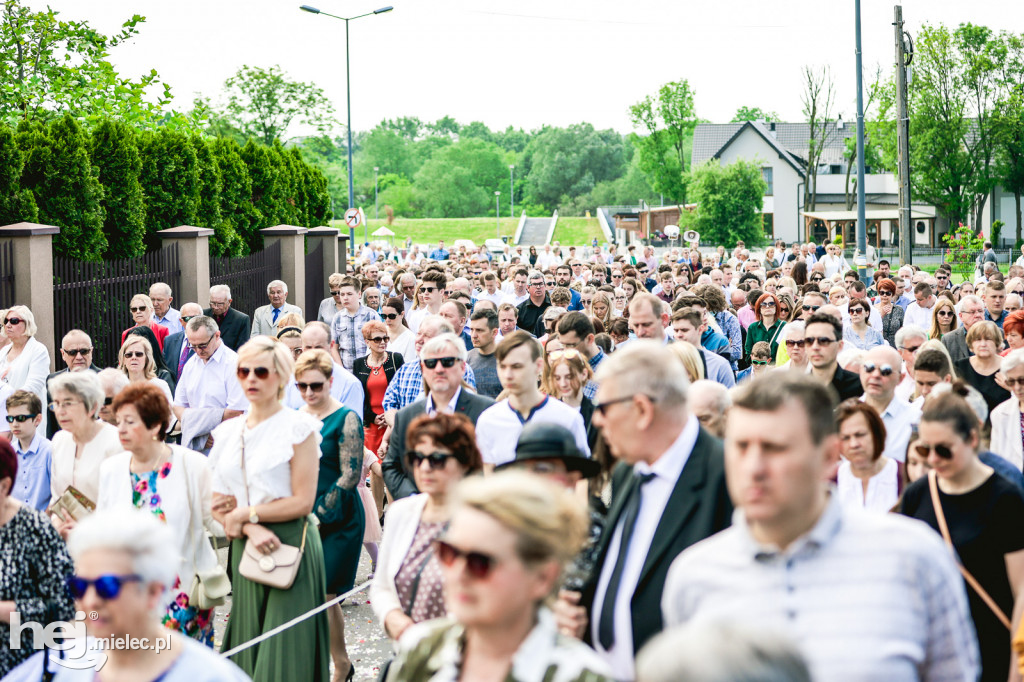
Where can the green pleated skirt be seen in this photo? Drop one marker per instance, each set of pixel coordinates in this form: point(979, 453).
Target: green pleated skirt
point(301, 652)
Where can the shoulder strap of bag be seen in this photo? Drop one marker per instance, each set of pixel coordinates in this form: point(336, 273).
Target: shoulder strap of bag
point(933, 487)
point(781, 326)
point(245, 476)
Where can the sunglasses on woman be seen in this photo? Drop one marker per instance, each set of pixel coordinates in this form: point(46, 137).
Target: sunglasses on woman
point(15, 321)
point(137, 309)
point(796, 344)
point(389, 316)
point(379, 339)
point(478, 564)
point(944, 313)
point(435, 460)
point(317, 386)
point(260, 372)
point(943, 451)
point(107, 586)
point(135, 354)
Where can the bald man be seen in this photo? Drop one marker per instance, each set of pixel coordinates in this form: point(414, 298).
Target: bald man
point(880, 374)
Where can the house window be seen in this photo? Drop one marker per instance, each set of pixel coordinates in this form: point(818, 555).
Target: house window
point(835, 169)
point(767, 174)
point(768, 225)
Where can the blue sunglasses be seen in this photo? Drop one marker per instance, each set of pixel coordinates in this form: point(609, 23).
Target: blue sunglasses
point(107, 586)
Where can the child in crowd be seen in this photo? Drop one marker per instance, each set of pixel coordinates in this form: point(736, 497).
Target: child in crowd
point(24, 415)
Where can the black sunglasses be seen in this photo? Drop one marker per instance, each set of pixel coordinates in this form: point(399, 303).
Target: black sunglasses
point(822, 341)
point(76, 351)
point(817, 279)
point(260, 372)
point(15, 321)
point(137, 309)
point(478, 564)
point(435, 460)
point(316, 386)
point(135, 354)
point(389, 316)
point(379, 339)
point(20, 418)
point(943, 451)
point(335, 292)
point(107, 586)
point(799, 344)
point(884, 370)
point(431, 363)
point(809, 308)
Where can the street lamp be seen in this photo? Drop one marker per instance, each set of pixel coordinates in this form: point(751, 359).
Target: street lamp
point(376, 216)
point(348, 105)
point(497, 214)
point(512, 190)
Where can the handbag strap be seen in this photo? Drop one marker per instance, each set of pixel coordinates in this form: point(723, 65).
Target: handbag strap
point(245, 476)
point(933, 487)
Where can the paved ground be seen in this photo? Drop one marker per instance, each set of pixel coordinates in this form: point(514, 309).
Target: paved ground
point(367, 645)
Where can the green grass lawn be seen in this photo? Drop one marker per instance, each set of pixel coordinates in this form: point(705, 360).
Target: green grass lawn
point(569, 231)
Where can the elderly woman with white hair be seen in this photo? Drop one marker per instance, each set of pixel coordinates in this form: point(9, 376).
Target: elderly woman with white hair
point(1007, 438)
point(125, 560)
point(265, 468)
point(24, 362)
point(142, 310)
point(82, 444)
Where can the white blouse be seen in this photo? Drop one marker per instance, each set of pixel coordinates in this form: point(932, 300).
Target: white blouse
point(405, 345)
point(269, 449)
point(883, 488)
point(83, 472)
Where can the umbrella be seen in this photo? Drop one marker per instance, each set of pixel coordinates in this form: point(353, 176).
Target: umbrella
point(383, 232)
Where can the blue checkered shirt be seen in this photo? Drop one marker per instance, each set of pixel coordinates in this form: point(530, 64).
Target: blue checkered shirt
point(347, 333)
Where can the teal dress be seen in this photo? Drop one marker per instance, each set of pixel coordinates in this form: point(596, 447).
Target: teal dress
point(342, 519)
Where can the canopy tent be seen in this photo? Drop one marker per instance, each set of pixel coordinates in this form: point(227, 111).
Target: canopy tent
point(383, 232)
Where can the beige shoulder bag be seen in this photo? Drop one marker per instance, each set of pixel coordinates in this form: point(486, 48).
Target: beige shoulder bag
point(279, 568)
point(933, 486)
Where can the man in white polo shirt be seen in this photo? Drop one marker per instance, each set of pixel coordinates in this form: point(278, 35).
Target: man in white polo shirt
point(520, 364)
point(880, 373)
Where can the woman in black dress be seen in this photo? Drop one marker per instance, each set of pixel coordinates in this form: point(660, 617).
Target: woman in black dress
point(983, 512)
point(985, 340)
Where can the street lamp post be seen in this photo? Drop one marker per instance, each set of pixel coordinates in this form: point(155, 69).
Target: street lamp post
point(497, 214)
point(348, 105)
point(512, 190)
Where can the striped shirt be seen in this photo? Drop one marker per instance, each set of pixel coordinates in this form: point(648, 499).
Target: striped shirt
point(864, 596)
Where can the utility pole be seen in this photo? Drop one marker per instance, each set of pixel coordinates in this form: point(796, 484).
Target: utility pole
point(862, 236)
point(903, 59)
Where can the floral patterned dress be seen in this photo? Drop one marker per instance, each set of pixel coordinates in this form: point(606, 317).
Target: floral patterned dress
point(190, 621)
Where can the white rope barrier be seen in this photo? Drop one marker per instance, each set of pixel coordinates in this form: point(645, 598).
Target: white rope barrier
point(295, 621)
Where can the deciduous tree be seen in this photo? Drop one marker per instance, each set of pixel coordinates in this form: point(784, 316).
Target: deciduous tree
point(729, 201)
point(667, 122)
point(818, 99)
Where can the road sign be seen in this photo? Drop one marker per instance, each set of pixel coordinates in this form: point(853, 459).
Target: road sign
point(353, 217)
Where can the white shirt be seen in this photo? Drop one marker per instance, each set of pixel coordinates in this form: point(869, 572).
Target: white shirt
point(430, 409)
point(499, 426)
point(899, 418)
point(82, 472)
point(515, 299)
point(496, 298)
point(883, 488)
point(915, 314)
point(404, 345)
point(269, 449)
point(213, 383)
point(345, 388)
point(654, 498)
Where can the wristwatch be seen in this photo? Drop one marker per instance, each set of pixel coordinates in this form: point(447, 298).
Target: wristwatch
point(253, 516)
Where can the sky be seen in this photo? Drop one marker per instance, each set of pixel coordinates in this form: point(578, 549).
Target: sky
point(524, 63)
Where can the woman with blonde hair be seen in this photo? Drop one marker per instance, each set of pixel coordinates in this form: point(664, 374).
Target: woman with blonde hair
point(566, 373)
point(289, 332)
point(330, 306)
point(690, 357)
point(141, 308)
point(502, 558)
point(265, 467)
point(24, 360)
point(587, 299)
point(943, 318)
point(136, 360)
point(603, 308)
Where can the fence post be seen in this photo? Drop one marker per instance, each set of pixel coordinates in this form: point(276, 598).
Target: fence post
point(342, 253)
point(328, 237)
point(33, 275)
point(194, 262)
point(293, 259)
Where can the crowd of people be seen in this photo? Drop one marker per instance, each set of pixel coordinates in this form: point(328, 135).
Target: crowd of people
point(564, 464)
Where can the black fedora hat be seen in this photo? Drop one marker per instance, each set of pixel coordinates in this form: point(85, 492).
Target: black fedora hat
point(540, 440)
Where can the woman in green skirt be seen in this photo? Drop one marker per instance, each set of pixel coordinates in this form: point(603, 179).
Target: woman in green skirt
point(338, 505)
point(265, 467)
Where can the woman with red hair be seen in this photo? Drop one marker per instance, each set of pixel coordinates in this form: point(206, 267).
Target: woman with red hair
point(1013, 331)
point(766, 327)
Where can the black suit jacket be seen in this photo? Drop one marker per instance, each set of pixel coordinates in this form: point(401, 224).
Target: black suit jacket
point(698, 507)
point(172, 353)
point(234, 331)
point(846, 385)
point(52, 426)
point(397, 476)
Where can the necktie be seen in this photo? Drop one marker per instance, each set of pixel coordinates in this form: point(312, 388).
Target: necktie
point(606, 626)
point(277, 311)
point(186, 353)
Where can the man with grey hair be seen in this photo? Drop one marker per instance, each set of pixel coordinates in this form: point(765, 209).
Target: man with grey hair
point(880, 372)
point(670, 493)
point(176, 349)
point(649, 318)
point(442, 363)
point(208, 390)
point(407, 284)
point(163, 314)
point(908, 340)
point(892, 586)
point(972, 311)
point(531, 311)
point(234, 325)
point(710, 402)
point(264, 320)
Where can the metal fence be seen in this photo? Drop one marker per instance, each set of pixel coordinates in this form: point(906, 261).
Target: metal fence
point(316, 287)
point(248, 276)
point(95, 297)
point(927, 255)
point(6, 275)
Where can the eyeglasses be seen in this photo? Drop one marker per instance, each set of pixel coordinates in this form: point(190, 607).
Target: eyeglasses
point(389, 316)
point(857, 310)
point(67, 405)
point(822, 341)
point(379, 339)
point(768, 304)
point(943, 451)
point(427, 290)
point(15, 321)
point(316, 386)
point(185, 319)
point(434, 460)
point(944, 313)
point(817, 279)
point(1009, 382)
point(796, 344)
point(336, 293)
point(809, 308)
point(260, 372)
point(884, 370)
point(202, 346)
point(137, 309)
point(135, 354)
point(20, 418)
point(107, 401)
point(909, 349)
point(537, 284)
point(76, 351)
point(107, 586)
point(431, 363)
point(603, 407)
point(478, 564)
point(296, 352)
point(567, 353)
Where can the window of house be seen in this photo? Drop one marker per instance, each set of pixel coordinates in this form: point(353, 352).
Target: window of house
point(767, 174)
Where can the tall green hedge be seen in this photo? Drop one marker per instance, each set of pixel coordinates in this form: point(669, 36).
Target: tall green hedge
point(111, 189)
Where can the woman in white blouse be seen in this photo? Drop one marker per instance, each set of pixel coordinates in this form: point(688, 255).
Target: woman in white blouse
point(265, 468)
point(173, 484)
point(83, 442)
point(24, 362)
point(866, 479)
point(1007, 440)
point(401, 340)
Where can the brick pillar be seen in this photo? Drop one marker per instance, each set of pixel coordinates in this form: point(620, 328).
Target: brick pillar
point(328, 237)
point(33, 275)
point(342, 253)
point(194, 262)
point(293, 259)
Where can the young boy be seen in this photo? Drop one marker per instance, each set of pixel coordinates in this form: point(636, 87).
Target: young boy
point(24, 415)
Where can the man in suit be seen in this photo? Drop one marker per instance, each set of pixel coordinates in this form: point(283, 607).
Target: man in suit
point(669, 492)
point(176, 348)
point(76, 349)
point(234, 325)
point(972, 311)
point(446, 394)
point(264, 320)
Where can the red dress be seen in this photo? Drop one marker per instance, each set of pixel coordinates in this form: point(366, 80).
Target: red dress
point(376, 385)
point(160, 331)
